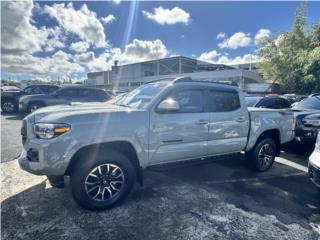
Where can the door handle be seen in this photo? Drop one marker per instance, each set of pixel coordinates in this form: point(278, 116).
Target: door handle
point(201, 122)
point(241, 120)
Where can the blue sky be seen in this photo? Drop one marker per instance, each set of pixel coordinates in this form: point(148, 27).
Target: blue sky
point(56, 39)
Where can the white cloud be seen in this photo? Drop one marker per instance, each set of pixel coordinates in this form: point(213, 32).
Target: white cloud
point(261, 35)
point(55, 39)
point(59, 63)
point(84, 57)
point(136, 51)
point(20, 38)
point(237, 40)
point(18, 35)
point(209, 56)
point(116, 1)
point(221, 35)
point(108, 19)
point(168, 16)
point(79, 46)
point(247, 58)
point(145, 50)
point(81, 22)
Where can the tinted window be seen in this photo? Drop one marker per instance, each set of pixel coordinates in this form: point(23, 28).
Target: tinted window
point(223, 101)
point(49, 89)
point(87, 93)
point(190, 101)
point(33, 90)
point(94, 94)
point(282, 103)
point(274, 102)
point(70, 92)
point(309, 103)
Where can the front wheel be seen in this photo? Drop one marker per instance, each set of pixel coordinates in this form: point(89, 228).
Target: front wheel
point(34, 106)
point(9, 106)
point(262, 155)
point(99, 182)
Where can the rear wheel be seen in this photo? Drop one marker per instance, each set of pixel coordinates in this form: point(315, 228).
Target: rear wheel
point(8, 106)
point(262, 156)
point(101, 182)
point(34, 106)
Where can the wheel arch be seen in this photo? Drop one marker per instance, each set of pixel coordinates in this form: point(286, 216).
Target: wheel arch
point(273, 134)
point(34, 102)
point(123, 147)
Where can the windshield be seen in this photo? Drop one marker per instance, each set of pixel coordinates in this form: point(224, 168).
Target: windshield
point(252, 101)
point(308, 103)
point(140, 97)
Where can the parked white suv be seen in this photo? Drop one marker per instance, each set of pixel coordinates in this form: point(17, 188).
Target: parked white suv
point(104, 146)
point(314, 164)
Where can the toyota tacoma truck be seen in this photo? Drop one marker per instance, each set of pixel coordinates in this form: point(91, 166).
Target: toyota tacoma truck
point(103, 147)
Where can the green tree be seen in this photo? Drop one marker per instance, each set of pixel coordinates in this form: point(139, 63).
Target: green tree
point(292, 59)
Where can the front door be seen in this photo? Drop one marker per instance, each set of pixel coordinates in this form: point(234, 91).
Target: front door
point(180, 135)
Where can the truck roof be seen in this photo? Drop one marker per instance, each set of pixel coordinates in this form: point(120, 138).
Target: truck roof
point(217, 85)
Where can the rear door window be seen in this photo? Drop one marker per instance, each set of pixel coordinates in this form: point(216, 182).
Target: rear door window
point(68, 93)
point(221, 101)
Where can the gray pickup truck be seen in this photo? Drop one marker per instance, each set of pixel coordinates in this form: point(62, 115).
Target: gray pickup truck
point(103, 147)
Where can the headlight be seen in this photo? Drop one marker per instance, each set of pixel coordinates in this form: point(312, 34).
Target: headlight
point(50, 130)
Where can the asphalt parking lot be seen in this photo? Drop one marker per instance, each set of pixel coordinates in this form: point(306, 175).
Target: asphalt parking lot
point(208, 200)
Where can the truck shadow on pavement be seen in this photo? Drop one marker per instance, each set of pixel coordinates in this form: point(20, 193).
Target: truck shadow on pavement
point(215, 199)
point(14, 116)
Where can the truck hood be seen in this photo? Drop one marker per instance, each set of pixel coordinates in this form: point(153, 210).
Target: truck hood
point(61, 111)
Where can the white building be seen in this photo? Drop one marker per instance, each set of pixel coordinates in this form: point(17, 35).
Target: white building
point(127, 77)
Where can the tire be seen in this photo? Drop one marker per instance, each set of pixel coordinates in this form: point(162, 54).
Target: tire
point(262, 156)
point(9, 106)
point(34, 106)
point(102, 195)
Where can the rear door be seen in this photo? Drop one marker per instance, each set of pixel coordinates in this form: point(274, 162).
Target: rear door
point(180, 135)
point(229, 122)
point(66, 96)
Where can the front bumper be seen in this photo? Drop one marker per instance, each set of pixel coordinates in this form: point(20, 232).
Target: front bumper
point(314, 168)
point(48, 158)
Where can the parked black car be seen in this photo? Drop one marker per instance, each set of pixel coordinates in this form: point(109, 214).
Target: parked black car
point(10, 99)
point(275, 102)
point(307, 113)
point(64, 95)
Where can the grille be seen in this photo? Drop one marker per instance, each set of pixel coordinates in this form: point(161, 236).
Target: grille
point(24, 131)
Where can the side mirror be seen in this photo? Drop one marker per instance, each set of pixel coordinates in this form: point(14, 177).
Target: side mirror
point(168, 105)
